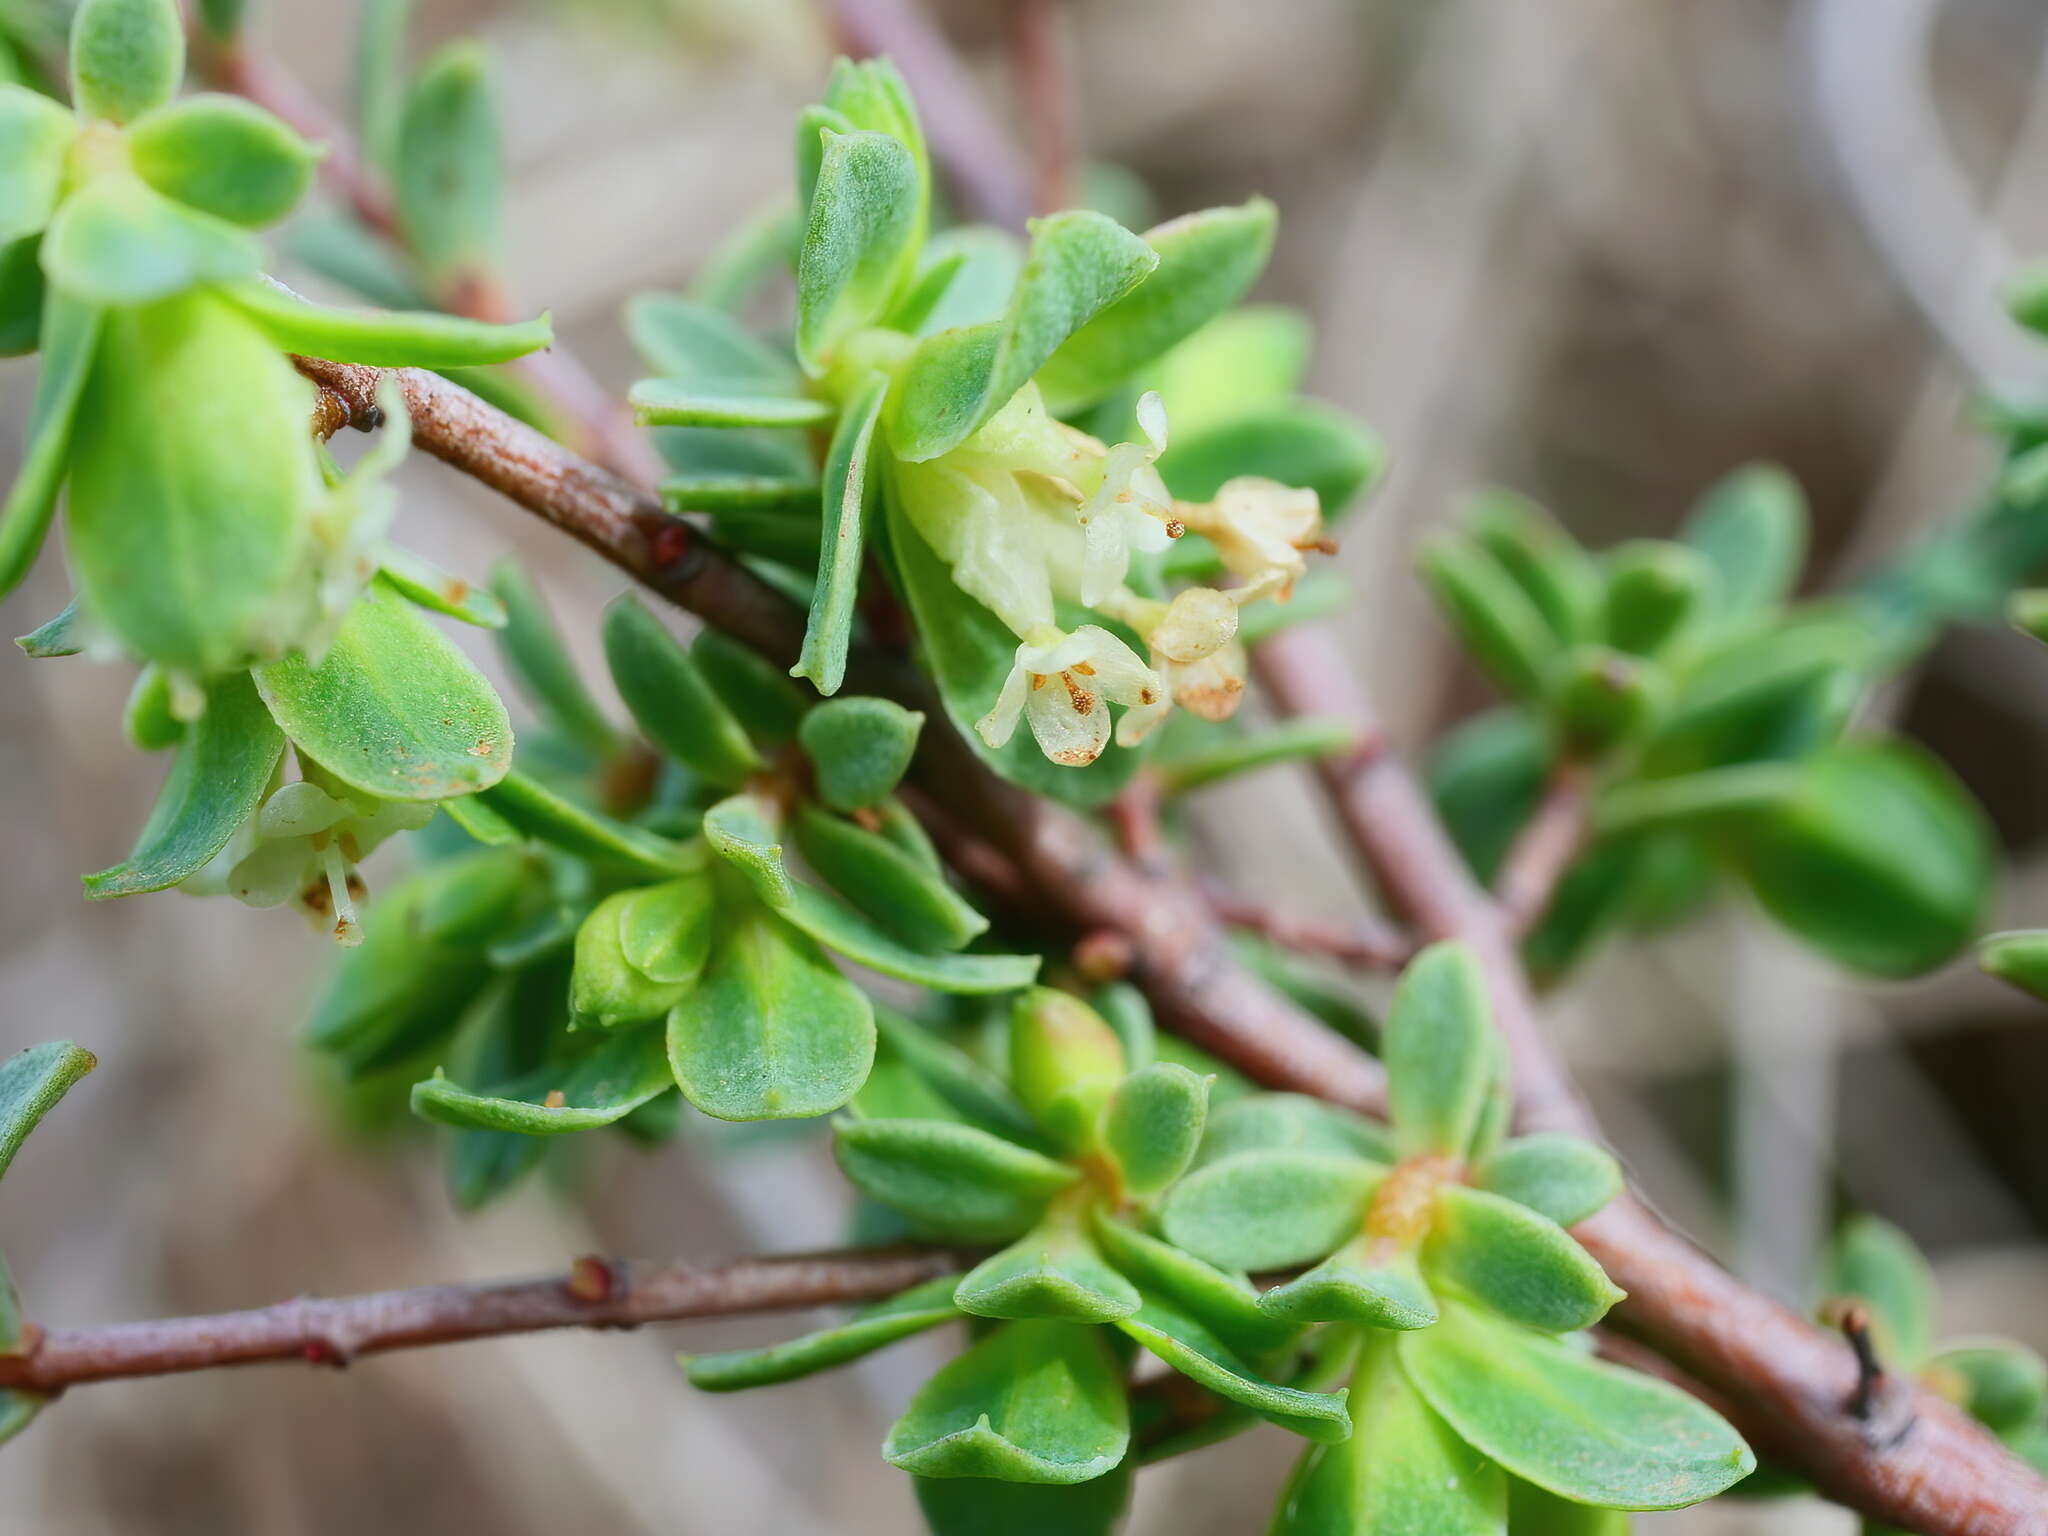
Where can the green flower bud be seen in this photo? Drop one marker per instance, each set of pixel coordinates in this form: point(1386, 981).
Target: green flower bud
point(1065, 1062)
point(126, 57)
point(1600, 697)
point(1655, 590)
point(640, 952)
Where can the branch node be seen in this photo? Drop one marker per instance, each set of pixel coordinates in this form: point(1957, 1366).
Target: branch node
point(594, 1280)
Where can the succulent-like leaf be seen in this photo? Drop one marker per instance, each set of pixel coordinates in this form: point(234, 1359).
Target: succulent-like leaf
point(640, 951)
point(1079, 264)
point(1561, 1177)
point(70, 334)
point(1369, 1280)
point(34, 133)
point(1052, 1271)
point(1206, 262)
point(662, 402)
point(859, 749)
point(960, 1082)
point(1582, 1429)
point(447, 175)
point(1873, 1262)
point(1153, 1125)
point(1500, 627)
point(147, 720)
point(1304, 739)
point(1769, 694)
point(768, 704)
point(393, 709)
point(908, 1312)
point(1298, 442)
point(539, 662)
point(950, 1179)
point(127, 56)
point(1034, 1402)
point(22, 291)
point(791, 498)
point(119, 241)
point(1402, 1472)
point(1521, 1265)
point(1270, 1209)
point(598, 1088)
point(1440, 1051)
point(2004, 1385)
point(2019, 959)
point(681, 339)
point(1547, 563)
point(1753, 526)
point(31, 1083)
point(385, 338)
point(1291, 1122)
point(224, 156)
point(1198, 1354)
point(1221, 1302)
point(858, 240)
point(1655, 591)
point(849, 492)
point(426, 585)
point(670, 699)
point(772, 1031)
point(981, 1506)
point(540, 813)
point(223, 766)
point(1534, 1511)
point(894, 887)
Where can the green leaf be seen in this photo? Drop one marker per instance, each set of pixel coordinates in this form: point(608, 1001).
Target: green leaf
point(2019, 959)
point(963, 1084)
point(983, 262)
point(772, 1031)
point(1546, 562)
point(597, 1089)
point(768, 704)
point(1270, 1209)
point(379, 81)
point(1367, 1281)
point(223, 767)
point(16, 1410)
point(1495, 620)
point(791, 498)
point(540, 813)
point(849, 492)
point(1034, 1402)
point(1753, 527)
point(900, 892)
point(681, 339)
point(970, 652)
point(385, 338)
point(1560, 1177)
point(539, 662)
point(1440, 1051)
point(1600, 699)
point(393, 709)
point(1153, 1125)
point(2003, 1385)
point(224, 156)
point(1199, 1355)
point(1221, 1302)
point(1582, 1429)
point(662, 402)
point(670, 699)
point(70, 333)
point(1051, 1271)
point(916, 1310)
point(1533, 1511)
point(62, 636)
point(22, 292)
point(1245, 359)
point(1291, 1122)
point(640, 951)
point(480, 822)
point(858, 240)
point(1655, 592)
point(1079, 264)
point(1873, 1262)
point(447, 176)
point(950, 1179)
point(1485, 778)
point(859, 749)
point(1766, 695)
point(980, 1506)
point(1519, 1264)
point(1403, 1471)
point(742, 830)
point(1207, 261)
point(126, 56)
point(1299, 442)
point(15, 1335)
point(118, 241)
point(34, 134)
point(1306, 738)
point(427, 586)
point(31, 1083)
point(1880, 859)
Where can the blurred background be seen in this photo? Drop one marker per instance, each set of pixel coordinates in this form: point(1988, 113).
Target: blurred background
point(1601, 252)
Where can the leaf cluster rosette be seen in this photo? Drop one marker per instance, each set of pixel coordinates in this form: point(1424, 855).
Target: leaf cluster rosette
point(1061, 1160)
point(956, 383)
point(1714, 714)
point(211, 536)
point(615, 927)
point(1448, 1286)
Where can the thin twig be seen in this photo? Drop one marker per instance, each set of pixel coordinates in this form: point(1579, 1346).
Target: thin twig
point(1041, 63)
point(1364, 942)
point(595, 1293)
point(1545, 847)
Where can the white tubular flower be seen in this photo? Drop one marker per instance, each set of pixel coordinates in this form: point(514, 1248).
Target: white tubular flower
point(307, 844)
point(1199, 622)
point(1130, 510)
point(1263, 531)
point(1211, 686)
point(1061, 685)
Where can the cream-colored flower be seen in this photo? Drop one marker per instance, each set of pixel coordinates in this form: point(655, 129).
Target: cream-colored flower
point(1061, 686)
point(1130, 510)
point(1263, 531)
point(306, 844)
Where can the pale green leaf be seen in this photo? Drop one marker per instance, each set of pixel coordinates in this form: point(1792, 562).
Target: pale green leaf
point(670, 699)
point(599, 1088)
point(34, 133)
point(1519, 1264)
point(1199, 1355)
point(1561, 1177)
point(385, 338)
point(1440, 1051)
point(31, 1083)
point(224, 156)
point(916, 1310)
point(950, 1179)
point(126, 56)
point(859, 238)
point(70, 334)
point(849, 493)
point(1259, 1210)
point(1153, 1125)
point(119, 241)
point(1051, 1271)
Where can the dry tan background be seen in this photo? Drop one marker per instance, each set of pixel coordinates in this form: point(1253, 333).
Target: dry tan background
point(1602, 250)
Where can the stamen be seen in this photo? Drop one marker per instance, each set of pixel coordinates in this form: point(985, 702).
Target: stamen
point(346, 929)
